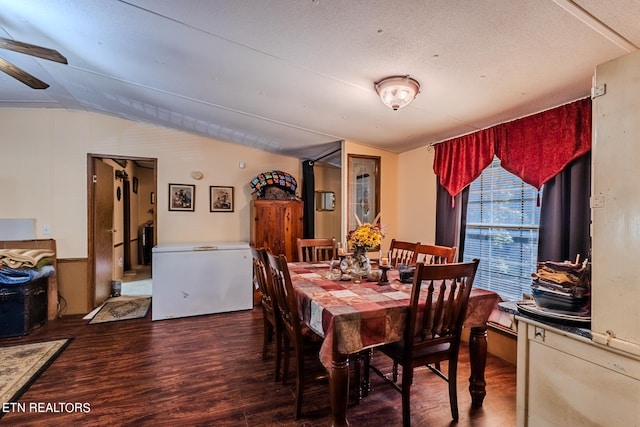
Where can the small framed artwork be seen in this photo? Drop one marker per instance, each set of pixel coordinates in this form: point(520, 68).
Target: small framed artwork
point(182, 197)
point(135, 185)
point(221, 199)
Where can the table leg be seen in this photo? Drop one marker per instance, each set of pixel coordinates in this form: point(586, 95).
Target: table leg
point(478, 360)
point(339, 389)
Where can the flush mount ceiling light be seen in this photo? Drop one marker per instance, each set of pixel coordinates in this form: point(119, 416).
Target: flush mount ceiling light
point(397, 91)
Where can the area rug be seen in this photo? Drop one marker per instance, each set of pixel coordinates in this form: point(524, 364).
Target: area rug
point(122, 309)
point(21, 365)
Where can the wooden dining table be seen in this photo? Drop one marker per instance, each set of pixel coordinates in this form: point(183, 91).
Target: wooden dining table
point(352, 317)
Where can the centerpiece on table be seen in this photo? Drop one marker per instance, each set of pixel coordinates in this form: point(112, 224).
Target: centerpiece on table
point(364, 238)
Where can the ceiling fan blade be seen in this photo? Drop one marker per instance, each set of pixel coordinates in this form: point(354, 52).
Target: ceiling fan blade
point(22, 75)
point(33, 50)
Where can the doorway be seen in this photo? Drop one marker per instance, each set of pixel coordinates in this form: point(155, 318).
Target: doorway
point(121, 221)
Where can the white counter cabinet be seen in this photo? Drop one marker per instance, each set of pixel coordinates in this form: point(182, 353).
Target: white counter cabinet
point(568, 380)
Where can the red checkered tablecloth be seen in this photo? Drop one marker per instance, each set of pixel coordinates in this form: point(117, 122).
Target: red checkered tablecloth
point(352, 317)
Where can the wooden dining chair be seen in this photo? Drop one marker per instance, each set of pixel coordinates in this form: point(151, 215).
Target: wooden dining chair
point(438, 305)
point(434, 254)
point(272, 327)
point(401, 252)
point(314, 250)
point(295, 335)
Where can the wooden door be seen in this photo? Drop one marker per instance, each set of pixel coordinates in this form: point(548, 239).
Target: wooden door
point(102, 231)
point(615, 318)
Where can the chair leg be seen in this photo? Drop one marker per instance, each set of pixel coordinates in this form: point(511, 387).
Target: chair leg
point(453, 387)
point(366, 383)
point(356, 377)
point(394, 372)
point(278, 335)
point(299, 381)
point(286, 350)
point(268, 332)
point(407, 379)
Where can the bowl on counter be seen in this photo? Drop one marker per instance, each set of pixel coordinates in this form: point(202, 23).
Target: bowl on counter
point(559, 301)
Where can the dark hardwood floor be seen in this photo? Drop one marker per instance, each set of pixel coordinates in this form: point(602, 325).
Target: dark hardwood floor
point(208, 371)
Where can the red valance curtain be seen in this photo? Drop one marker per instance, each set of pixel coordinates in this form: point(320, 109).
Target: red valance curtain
point(534, 148)
point(461, 160)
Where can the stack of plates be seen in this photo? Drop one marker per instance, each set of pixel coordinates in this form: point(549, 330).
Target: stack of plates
point(558, 301)
point(531, 309)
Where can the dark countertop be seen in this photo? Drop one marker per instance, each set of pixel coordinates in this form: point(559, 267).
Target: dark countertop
point(512, 308)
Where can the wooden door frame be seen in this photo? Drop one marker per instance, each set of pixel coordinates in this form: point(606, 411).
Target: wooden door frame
point(91, 214)
point(126, 215)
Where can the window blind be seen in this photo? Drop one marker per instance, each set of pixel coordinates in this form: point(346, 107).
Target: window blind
point(503, 217)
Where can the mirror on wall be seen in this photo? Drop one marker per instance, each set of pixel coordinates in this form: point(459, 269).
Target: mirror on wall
point(363, 189)
point(325, 201)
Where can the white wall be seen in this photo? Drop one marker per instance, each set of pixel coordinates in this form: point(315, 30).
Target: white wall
point(44, 174)
point(416, 187)
point(327, 223)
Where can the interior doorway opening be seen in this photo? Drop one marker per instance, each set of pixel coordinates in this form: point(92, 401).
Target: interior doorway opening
point(122, 222)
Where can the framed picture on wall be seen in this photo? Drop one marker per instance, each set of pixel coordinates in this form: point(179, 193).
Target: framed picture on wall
point(182, 197)
point(221, 199)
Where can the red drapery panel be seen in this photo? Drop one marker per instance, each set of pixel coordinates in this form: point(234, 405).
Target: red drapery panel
point(536, 148)
point(460, 160)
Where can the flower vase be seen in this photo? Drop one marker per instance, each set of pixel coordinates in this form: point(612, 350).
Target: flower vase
point(361, 263)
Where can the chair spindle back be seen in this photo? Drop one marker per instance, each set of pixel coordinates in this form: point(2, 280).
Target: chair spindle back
point(314, 250)
point(402, 252)
point(446, 289)
point(434, 254)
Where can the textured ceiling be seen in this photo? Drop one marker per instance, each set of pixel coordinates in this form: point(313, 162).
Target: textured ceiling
point(295, 76)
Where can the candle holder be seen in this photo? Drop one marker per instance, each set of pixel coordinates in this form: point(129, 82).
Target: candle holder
point(383, 278)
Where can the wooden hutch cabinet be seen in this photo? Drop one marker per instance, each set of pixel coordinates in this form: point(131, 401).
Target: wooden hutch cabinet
point(277, 224)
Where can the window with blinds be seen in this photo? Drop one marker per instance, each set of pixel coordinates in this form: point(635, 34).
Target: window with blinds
point(503, 219)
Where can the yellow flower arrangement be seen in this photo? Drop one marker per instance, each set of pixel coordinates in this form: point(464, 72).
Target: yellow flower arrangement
point(366, 237)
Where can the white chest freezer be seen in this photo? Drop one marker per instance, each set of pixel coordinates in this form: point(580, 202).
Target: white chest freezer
point(201, 278)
